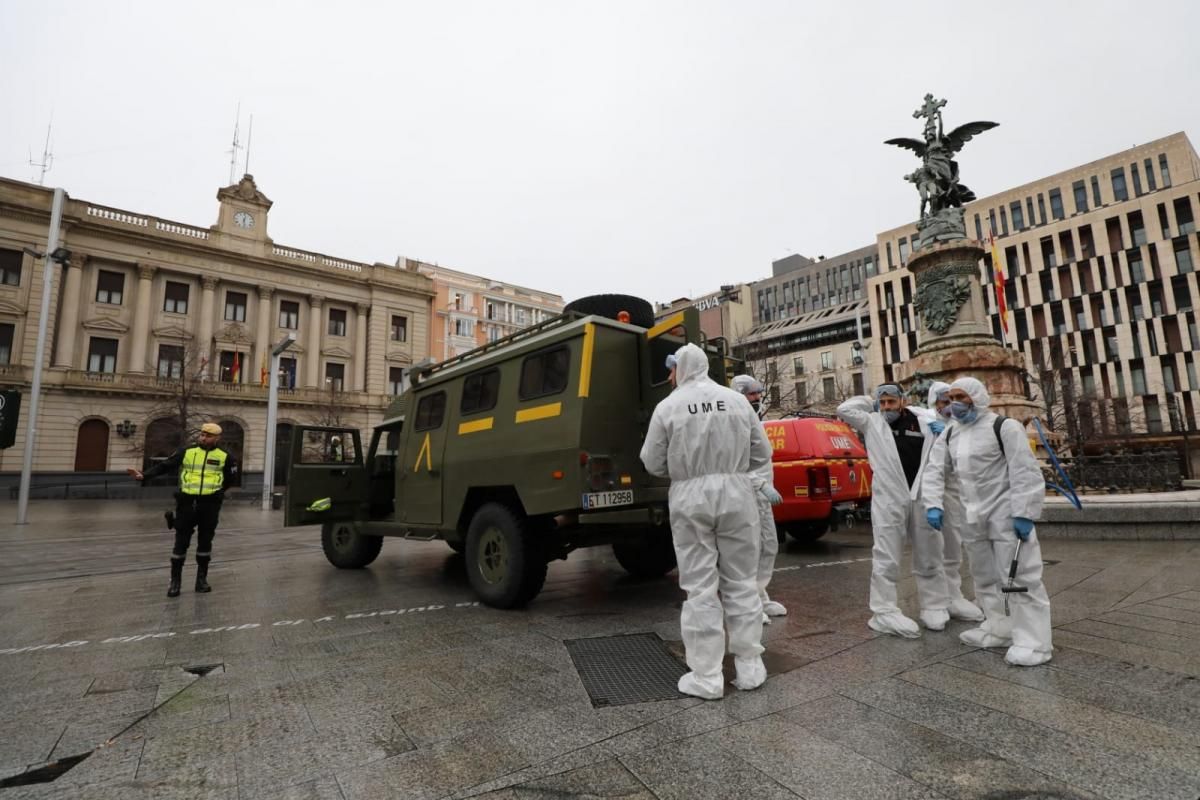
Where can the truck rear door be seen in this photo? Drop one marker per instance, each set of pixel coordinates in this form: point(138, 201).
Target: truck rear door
point(422, 451)
point(327, 476)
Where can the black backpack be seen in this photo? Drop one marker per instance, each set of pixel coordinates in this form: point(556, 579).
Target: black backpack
point(995, 427)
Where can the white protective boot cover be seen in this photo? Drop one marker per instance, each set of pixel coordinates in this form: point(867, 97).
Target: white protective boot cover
point(895, 624)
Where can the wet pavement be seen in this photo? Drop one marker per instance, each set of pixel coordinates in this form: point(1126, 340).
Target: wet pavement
point(390, 682)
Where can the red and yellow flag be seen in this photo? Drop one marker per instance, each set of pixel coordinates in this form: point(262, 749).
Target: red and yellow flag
point(236, 372)
point(998, 269)
point(262, 373)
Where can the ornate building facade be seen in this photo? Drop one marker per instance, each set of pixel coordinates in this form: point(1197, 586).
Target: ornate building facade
point(145, 304)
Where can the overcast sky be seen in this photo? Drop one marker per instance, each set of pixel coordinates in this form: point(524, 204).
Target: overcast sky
point(652, 148)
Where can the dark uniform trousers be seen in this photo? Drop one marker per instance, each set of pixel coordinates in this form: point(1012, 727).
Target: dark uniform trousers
point(195, 512)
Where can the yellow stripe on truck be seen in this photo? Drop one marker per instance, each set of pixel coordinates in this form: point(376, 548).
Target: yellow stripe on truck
point(539, 412)
point(475, 425)
point(667, 324)
point(585, 368)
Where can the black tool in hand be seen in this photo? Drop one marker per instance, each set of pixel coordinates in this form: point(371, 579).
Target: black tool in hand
point(169, 516)
point(1009, 588)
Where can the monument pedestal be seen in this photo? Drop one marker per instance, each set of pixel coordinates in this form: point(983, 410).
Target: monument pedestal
point(955, 337)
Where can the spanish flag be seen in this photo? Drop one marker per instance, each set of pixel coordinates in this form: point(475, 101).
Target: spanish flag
point(262, 373)
point(998, 269)
point(236, 372)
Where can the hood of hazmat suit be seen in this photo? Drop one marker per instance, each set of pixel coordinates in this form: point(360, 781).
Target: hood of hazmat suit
point(707, 439)
point(936, 390)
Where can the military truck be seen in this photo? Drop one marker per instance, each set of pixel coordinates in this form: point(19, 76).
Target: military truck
point(514, 454)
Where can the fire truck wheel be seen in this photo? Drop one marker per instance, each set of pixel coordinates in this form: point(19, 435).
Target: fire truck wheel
point(506, 565)
point(808, 531)
point(641, 313)
point(649, 557)
point(346, 548)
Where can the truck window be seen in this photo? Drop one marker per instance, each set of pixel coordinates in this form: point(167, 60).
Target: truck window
point(431, 409)
point(545, 373)
point(660, 348)
point(328, 447)
point(480, 392)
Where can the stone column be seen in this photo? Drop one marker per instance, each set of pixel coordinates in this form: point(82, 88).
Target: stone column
point(68, 322)
point(360, 348)
point(312, 369)
point(262, 347)
point(378, 332)
point(141, 320)
point(204, 339)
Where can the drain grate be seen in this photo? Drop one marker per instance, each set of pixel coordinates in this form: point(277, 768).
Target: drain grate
point(631, 668)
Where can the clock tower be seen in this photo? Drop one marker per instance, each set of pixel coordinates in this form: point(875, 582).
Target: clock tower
point(243, 216)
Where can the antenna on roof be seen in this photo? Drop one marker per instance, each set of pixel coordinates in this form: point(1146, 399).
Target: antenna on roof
point(233, 150)
point(249, 138)
point(47, 157)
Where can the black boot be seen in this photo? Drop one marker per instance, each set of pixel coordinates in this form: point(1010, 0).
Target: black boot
point(176, 577)
point(202, 574)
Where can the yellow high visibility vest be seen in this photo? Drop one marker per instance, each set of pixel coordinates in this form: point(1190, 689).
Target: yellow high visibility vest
point(202, 471)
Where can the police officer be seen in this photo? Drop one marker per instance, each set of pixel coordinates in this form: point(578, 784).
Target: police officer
point(205, 470)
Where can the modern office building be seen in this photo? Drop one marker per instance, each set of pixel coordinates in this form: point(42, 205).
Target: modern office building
point(145, 305)
point(1101, 289)
point(799, 284)
point(726, 313)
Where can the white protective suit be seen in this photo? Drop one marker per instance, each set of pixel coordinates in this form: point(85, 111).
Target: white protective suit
point(995, 486)
point(896, 514)
point(708, 440)
point(960, 607)
point(769, 546)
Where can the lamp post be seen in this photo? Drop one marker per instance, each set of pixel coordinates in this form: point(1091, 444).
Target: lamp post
point(54, 254)
point(272, 413)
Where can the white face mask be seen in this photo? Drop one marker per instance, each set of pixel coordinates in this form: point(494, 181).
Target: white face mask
point(891, 416)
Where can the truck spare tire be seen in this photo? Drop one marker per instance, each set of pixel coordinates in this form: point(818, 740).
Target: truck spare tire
point(641, 313)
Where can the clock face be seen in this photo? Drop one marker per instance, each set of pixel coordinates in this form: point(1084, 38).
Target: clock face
point(243, 219)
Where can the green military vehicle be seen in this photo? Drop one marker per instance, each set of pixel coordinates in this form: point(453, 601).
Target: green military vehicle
point(514, 454)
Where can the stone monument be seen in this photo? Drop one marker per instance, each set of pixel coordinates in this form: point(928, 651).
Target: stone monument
point(955, 338)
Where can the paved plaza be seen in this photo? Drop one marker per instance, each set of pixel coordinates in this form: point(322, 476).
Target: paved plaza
point(297, 680)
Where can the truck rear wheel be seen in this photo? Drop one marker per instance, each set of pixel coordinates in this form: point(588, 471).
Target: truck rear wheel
point(506, 564)
point(641, 313)
point(808, 531)
point(346, 548)
point(651, 556)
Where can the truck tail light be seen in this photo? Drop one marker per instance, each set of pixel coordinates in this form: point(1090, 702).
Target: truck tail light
point(601, 473)
point(818, 482)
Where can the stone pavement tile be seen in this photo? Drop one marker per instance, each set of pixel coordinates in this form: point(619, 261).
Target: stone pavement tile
point(1178, 601)
point(110, 682)
point(690, 722)
point(1177, 710)
point(1113, 730)
point(94, 776)
point(42, 692)
point(608, 779)
point(1078, 762)
point(1163, 660)
point(454, 718)
point(375, 728)
point(545, 734)
point(1163, 612)
point(567, 762)
point(692, 769)
point(813, 766)
point(1173, 627)
point(1135, 678)
point(267, 765)
point(954, 768)
point(432, 772)
point(320, 789)
point(178, 768)
point(184, 711)
point(1136, 636)
point(28, 739)
point(87, 734)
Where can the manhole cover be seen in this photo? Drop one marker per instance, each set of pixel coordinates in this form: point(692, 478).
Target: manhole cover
point(632, 668)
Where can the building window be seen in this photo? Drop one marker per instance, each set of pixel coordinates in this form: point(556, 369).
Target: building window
point(232, 367)
point(1137, 228)
point(287, 373)
point(992, 229)
point(1136, 174)
point(337, 322)
point(6, 342)
point(1137, 271)
point(829, 389)
point(1056, 204)
point(175, 300)
point(1041, 209)
point(1138, 372)
point(1150, 174)
point(1120, 192)
point(170, 361)
point(903, 257)
point(1049, 254)
point(801, 393)
point(335, 376)
point(400, 328)
point(1170, 379)
point(1081, 201)
point(1164, 171)
point(10, 267)
point(102, 355)
point(774, 395)
point(1184, 220)
point(395, 380)
point(1183, 294)
point(1183, 256)
point(520, 316)
point(110, 286)
point(827, 359)
point(289, 315)
point(235, 306)
point(1018, 217)
point(1153, 415)
point(464, 327)
point(978, 229)
point(1096, 200)
point(856, 384)
point(798, 365)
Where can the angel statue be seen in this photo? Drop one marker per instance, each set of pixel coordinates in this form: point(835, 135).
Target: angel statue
point(942, 196)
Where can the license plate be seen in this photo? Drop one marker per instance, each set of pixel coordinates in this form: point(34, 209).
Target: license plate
point(608, 499)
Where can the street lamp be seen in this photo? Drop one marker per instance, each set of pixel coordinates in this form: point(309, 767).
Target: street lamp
point(272, 413)
point(126, 429)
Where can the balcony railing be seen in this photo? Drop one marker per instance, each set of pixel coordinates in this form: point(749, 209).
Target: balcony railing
point(245, 392)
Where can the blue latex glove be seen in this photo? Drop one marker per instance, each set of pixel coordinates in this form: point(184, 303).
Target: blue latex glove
point(934, 517)
point(1023, 527)
point(937, 426)
point(773, 496)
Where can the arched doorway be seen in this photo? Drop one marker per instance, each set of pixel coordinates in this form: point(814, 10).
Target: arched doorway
point(91, 446)
point(283, 449)
point(232, 441)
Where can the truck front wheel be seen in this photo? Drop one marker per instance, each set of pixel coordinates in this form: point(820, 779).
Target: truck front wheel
point(808, 531)
point(346, 548)
point(651, 556)
point(506, 564)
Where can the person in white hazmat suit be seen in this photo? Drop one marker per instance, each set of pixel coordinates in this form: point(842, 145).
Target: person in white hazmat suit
point(1002, 491)
point(707, 439)
point(898, 443)
point(938, 414)
point(767, 495)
